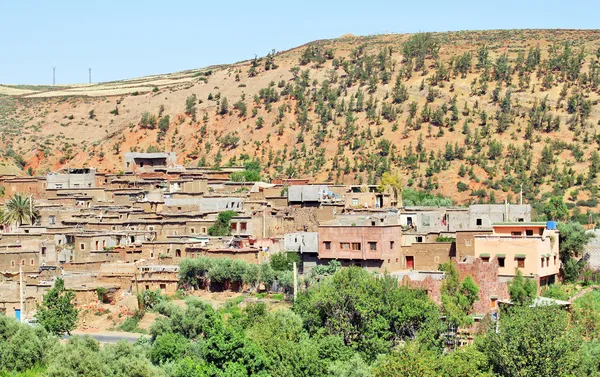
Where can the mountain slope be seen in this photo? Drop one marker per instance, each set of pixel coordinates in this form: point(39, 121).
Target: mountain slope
point(468, 114)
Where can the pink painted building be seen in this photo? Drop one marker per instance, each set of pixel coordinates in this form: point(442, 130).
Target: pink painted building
point(529, 247)
point(375, 247)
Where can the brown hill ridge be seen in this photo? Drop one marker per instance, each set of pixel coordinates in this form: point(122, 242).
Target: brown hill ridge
point(468, 114)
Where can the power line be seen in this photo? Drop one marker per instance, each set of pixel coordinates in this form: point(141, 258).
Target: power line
point(53, 76)
point(90, 70)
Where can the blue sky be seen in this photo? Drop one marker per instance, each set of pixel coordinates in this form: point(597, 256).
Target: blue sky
point(126, 38)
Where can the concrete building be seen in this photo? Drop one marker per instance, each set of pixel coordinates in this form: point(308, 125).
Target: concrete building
point(591, 252)
point(149, 162)
point(312, 195)
point(529, 247)
point(484, 215)
point(72, 179)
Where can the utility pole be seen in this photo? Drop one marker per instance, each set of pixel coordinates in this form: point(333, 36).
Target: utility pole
point(521, 195)
point(53, 76)
point(22, 308)
point(90, 71)
point(295, 281)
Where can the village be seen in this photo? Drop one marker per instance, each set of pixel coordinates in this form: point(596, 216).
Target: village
point(120, 234)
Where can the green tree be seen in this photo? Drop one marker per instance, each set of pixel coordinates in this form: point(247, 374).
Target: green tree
point(458, 296)
point(168, 347)
point(224, 108)
point(556, 209)
point(57, 313)
point(190, 105)
point(393, 182)
point(80, 357)
point(522, 290)
point(533, 342)
point(283, 260)
point(371, 314)
point(222, 225)
point(20, 209)
point(22, 347)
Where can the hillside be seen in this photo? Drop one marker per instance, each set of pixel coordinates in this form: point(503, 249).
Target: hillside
point(472, 115)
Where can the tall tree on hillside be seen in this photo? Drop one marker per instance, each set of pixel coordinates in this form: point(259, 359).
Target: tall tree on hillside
point(20, 209)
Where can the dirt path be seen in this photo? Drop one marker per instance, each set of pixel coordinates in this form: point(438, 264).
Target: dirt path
point(583, 292)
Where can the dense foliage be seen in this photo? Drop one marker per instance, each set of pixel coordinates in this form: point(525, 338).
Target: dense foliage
point(351, 323)
point(57, 313)
point(222, 226)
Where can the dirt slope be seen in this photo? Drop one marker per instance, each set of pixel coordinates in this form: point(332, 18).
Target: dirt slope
point(307, 123)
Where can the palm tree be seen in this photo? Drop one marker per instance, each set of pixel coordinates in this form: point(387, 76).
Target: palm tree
point(19, 209)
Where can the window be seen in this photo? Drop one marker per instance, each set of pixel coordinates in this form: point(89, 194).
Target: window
point(425, 221)
point(243, 227)
point(163, 287)
point(233, 226)
point(555, 260)
point(520, 220)
point(355, 245)
point(501, 261)
point(529, 232)
point(82, 246)
point(419, 239)
point(327, 245)
point(22, 262)
point(152, 255)
point(521, 263)
point(12, 263)
point(396, 260)
point(542, 261)
point(51, 220)
point(59, 185)
point(31, 262)
point(479, 222)
point(373, 246)
point(345, 245)
point(467, 242)
point(192, 230)
point(354, 201)
point(391, 245)
point(43, 250)
point(516, 233)
point(203, 230)
point(485, 259)
point(178, 252)
point(547, 261)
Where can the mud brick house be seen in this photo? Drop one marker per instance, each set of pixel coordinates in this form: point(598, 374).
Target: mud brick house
point(375, 247)
point(249, 254)
point(34, 186)
point(157, 277)
point(530, 247)
point(427, 256)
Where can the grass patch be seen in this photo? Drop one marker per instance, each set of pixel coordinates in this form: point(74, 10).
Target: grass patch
point(277, 296)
